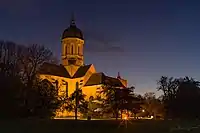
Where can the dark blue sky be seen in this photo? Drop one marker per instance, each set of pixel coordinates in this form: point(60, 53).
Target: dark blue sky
point(142, 39)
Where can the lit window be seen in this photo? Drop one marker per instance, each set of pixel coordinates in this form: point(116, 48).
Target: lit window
point(78, 50)
point(72, 50)
point(65, 49)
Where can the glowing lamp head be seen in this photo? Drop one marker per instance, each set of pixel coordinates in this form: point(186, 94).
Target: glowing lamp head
point(125, 118)
point(143, 110)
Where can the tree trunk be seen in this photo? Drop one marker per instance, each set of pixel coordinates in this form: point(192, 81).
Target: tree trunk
point(135, 116)
point(116, 114)
point(121, 113)
point(76, 106)
point(154, 116)
point(76, 100)
point(76, 113)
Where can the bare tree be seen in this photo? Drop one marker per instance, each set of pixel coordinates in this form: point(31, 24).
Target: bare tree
point(10, 80)
point(9, 57)
point(152, 105)
point(31, 59)
point(22, 92)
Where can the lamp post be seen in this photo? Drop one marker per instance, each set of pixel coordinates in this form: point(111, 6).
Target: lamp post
point(77, 99)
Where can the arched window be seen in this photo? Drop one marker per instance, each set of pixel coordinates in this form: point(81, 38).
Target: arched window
point(66, 83)
point(78, 50)
point(77, 85)
point(81, 50)
point(66, 50)
point(72, 50)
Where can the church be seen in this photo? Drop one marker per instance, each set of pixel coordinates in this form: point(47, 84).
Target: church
point(73, 72)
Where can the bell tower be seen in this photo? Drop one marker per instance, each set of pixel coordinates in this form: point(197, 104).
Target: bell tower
point(72, 47)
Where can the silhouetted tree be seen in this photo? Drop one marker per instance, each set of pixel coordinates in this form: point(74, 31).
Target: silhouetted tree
point(118, 98)
point(180, 96)
point(169, 87)
point(112, 98)
point(77, 102)
point(135, 104)
point(43, 100)
point(18, 79)
point(127, 99)
point(31, 58)
point(187, 95)
point(152, 105)
point(10, 80)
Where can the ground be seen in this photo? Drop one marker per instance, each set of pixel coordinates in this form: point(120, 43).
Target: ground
point(97, 126)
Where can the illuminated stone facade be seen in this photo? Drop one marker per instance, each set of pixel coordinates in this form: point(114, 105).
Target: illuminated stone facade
point(73, 70)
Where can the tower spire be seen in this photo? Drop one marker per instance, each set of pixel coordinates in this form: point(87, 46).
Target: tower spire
point(118, 76)
point(72, 22)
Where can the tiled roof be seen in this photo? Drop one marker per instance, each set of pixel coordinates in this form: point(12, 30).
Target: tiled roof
point(101, 78)
point(81, 71)
point(95, 79)
point(53, 69)
point(113, 82)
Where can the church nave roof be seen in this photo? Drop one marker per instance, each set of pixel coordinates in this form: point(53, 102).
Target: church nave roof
point(60, 70)
point(101, 78)
point(81, 71)
point(53, 69)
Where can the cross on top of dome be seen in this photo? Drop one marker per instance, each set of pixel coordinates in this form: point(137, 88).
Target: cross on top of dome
point(72, 31)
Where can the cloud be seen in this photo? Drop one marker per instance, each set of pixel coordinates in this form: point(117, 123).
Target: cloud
point(96, 42)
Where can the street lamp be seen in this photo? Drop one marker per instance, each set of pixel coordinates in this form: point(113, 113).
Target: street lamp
point(143, 110)
point(77, 98)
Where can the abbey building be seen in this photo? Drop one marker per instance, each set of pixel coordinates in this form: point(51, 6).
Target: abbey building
point(73, 71)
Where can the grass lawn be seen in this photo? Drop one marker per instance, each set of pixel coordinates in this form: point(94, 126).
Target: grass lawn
point(96, 126)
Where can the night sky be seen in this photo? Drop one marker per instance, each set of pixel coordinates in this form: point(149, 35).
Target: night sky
point(141, 39)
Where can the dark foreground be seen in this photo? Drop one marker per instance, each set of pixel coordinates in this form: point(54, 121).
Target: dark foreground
point(100, 126)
